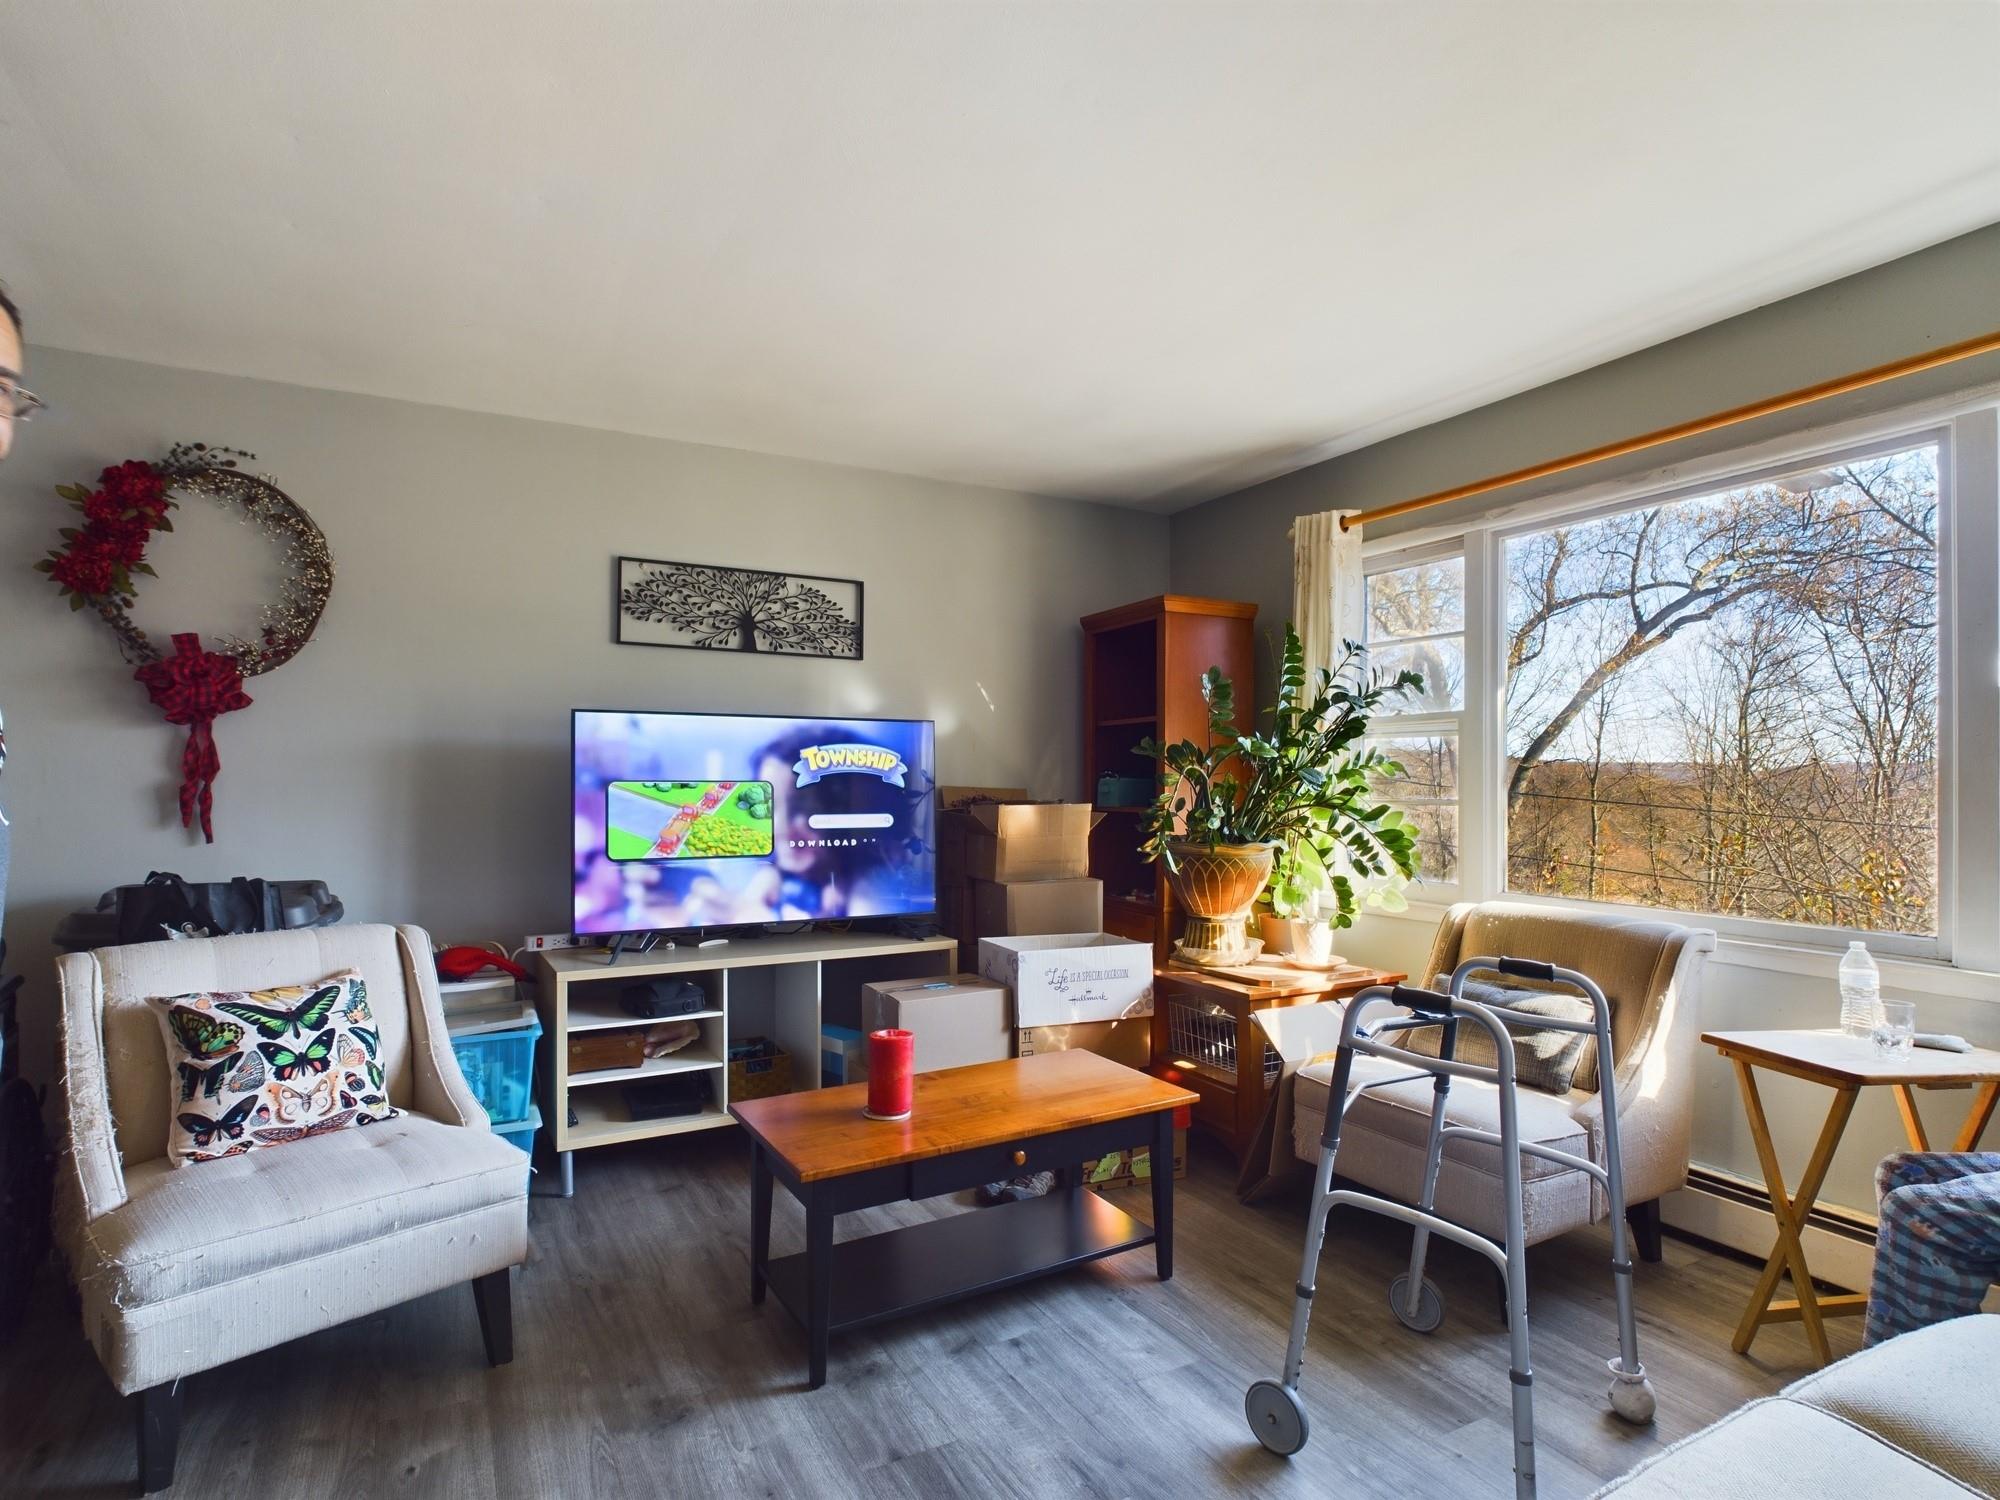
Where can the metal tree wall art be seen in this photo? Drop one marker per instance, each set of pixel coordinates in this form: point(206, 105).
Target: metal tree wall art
point(705, 608)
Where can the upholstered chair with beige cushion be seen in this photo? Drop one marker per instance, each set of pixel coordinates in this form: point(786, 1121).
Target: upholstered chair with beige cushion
point(184, 1269)
point(1649, 970)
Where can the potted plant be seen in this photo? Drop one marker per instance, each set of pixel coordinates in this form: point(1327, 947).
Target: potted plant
point(1286, 814)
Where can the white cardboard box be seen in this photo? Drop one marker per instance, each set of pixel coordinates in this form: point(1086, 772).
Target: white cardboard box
point(1066, 977)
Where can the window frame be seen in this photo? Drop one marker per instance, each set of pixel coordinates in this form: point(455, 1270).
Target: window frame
point(1432, 720)
point(1966, 430)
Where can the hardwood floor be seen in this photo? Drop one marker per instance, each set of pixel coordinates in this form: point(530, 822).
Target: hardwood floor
point(641, 1369)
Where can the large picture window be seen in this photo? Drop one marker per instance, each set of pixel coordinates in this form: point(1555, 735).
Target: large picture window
point(1728, 703)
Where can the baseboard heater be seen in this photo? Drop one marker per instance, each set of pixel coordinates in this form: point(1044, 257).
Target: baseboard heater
point(1843, 1222)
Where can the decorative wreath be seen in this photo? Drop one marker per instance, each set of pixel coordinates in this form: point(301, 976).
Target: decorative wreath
point(98, 562)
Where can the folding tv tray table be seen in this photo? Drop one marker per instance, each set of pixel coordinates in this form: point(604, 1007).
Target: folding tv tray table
point(1846, 1065)
point(969, 1126)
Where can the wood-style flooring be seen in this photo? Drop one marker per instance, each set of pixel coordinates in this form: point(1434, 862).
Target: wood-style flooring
point(642, 1370)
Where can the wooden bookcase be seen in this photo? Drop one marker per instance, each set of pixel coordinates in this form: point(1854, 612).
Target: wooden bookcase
point(1142, 666)
point(778, 986)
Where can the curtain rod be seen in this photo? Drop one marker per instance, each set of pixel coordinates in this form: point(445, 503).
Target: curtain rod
point(1987, 343)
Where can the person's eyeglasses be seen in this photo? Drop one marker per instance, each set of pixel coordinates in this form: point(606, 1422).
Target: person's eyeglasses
point(22, 405)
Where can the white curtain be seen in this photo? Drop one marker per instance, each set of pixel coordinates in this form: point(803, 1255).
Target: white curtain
point(1329, 595)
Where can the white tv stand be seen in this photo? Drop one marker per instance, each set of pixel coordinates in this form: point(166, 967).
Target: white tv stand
point(770, 986)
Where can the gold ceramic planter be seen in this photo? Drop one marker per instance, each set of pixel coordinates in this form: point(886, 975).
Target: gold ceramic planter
point(1218, 888)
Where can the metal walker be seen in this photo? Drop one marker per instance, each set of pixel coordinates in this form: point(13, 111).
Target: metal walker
point(1277, 1415)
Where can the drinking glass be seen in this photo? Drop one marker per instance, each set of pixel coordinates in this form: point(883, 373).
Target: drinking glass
point(1896, 1028)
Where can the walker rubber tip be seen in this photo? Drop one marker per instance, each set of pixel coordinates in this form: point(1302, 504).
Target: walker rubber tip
point(1632, 1395)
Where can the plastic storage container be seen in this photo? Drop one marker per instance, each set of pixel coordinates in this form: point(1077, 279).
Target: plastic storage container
point(1114, 790)
point(499, 1068)
point(522, 1134)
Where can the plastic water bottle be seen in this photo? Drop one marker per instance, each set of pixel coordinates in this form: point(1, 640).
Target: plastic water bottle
point(1860, 991)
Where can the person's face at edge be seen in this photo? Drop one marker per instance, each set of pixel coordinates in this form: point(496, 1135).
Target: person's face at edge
point(11, 360)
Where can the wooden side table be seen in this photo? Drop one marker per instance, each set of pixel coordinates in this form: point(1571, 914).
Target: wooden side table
point(1204, 1039)
point(1846, 1065)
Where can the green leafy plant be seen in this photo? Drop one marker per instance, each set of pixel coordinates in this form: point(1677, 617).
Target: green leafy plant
point(1301, 786)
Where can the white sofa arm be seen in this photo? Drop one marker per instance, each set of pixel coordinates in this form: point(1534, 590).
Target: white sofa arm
point(440, 1087)
point(93, 1169)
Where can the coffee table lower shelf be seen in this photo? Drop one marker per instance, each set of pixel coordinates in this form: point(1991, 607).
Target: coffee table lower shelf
point(906, 1270)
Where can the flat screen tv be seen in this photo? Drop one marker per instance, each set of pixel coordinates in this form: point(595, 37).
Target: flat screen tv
point(686, 821)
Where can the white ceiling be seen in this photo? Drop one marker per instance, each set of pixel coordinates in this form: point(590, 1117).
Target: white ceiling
point(1142, 252)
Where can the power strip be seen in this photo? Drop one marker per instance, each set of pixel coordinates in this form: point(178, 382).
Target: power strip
point(548, 941)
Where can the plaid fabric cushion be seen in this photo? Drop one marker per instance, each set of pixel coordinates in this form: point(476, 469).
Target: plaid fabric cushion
point(1937, 1246)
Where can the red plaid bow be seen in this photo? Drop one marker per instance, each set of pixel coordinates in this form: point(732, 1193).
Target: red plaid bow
point(192, 687)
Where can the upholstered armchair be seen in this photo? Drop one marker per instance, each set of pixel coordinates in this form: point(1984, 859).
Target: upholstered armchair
point(1649, 970)
point(180, 1270)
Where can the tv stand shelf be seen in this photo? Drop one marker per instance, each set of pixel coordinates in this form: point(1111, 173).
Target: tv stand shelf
point(780, 986)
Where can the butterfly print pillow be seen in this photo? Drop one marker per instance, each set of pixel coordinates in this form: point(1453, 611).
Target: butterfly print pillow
point(256, 1068)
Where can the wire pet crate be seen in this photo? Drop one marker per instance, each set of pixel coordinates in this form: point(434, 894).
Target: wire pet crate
point(1203, 1035)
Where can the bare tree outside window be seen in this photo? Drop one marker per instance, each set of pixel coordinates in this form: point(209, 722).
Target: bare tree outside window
point(1416, 620)
point(1729, 703)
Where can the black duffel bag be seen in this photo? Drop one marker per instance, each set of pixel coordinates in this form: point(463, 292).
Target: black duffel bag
point(167, 905)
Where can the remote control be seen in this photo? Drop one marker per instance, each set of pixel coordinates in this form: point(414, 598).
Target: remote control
point(1941, 1041)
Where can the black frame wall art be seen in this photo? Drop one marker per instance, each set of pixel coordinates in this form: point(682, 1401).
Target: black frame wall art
point(705, 607)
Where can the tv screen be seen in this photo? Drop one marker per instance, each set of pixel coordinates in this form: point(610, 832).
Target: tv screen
point(722, 820)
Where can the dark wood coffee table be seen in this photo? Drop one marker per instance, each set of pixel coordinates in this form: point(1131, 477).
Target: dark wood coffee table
point(970, 1125)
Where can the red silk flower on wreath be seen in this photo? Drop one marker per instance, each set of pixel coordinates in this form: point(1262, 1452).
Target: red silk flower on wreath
point(96, 564)
point(98, 558)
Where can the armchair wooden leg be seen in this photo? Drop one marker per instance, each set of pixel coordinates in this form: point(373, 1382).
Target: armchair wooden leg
point(159, 1411)
point(493, 1293)
point(1645, 1221)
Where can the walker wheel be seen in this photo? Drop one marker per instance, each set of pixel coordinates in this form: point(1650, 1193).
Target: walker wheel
point(1430, 1304)
point(1277, 1416)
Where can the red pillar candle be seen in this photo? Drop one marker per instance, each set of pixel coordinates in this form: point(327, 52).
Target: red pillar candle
point(891, 1074)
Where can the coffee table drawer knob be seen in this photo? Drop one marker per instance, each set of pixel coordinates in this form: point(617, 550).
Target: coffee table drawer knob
point(1020, 1158)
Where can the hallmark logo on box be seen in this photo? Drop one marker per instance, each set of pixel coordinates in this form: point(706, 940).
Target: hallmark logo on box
point(1064, 981)
point(1059, 979)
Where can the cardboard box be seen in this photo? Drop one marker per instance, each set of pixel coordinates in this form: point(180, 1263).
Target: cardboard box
point(1135, 1168)
point(1029, 908)
point(1011, 841)
point(955, 920)
point(959, 798)
point(957, 1021)
point(1060, 978)
point(954, 825)
point(843, 1056)
point(1128, 1042)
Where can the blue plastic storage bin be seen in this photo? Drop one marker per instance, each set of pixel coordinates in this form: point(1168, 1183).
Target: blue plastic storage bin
point(522, 1134)
point(499, 1068)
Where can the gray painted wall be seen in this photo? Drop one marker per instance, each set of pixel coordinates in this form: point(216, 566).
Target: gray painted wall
point(416, 754)
point(1235, 547)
